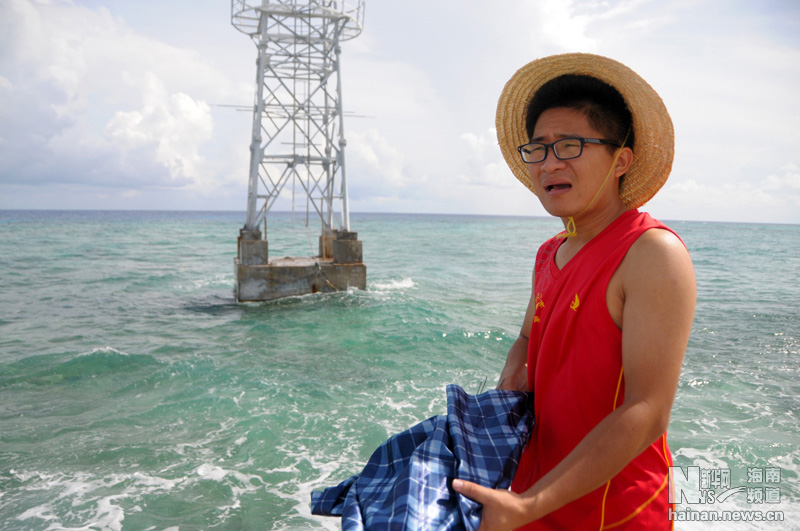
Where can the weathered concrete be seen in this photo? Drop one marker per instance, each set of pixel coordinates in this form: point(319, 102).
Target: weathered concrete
point(245, 234)
point(253, 252)
point(286, 277)
point(339, 267)
point(326, 243)
point(346, 235)
point(347, 252)
point(252, 249)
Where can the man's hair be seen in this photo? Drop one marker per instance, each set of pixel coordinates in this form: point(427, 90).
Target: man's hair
point(602, 105)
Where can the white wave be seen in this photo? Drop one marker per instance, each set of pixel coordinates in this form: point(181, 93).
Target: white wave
point(105, 514)
point(393, 285)
point(101, 512)
point(326, 467)
point(108, 349)
point(219, 280)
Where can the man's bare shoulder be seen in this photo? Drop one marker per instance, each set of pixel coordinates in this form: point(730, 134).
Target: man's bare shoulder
point(656, 244)
point(658, 253)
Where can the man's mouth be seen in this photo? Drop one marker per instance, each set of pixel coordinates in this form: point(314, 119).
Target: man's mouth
point(554, 187)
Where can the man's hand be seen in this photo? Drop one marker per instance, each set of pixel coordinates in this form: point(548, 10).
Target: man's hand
point(503, 510)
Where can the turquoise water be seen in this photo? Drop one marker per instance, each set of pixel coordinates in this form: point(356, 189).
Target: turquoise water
point(135, 394)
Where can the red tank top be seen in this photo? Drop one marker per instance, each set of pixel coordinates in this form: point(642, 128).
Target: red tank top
point(575, 363)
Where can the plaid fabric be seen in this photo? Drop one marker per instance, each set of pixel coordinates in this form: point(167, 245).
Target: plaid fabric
point(406, 484)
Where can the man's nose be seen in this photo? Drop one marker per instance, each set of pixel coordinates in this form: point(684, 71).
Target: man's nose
point(551, 161)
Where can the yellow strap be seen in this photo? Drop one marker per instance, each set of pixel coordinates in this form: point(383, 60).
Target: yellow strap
point(605, 492)
point(571, 230)
point(641, 507)
point(655, 494)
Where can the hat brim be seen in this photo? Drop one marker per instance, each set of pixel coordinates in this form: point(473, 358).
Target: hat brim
point(652, 126)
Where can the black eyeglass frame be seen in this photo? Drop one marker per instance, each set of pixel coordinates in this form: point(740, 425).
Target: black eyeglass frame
point(551, 145)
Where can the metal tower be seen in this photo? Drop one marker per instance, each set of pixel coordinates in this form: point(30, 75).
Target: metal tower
point(298, 131)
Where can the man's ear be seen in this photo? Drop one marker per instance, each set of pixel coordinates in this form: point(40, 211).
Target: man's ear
point(623, 162)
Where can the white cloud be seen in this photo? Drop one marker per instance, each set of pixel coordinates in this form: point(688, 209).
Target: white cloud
point(91, 101)
point(173, 126)
point(786, 184)
point(485, 165)
point(768, 199)
point(108, 102)
point(375, 163)
point(388, 90)
point(478, 180)
point(564, 25)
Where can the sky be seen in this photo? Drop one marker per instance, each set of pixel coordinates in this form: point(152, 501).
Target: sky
point(131, 105)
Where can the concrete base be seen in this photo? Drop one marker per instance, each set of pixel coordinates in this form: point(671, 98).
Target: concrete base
point(339, 267)
point(287, 277)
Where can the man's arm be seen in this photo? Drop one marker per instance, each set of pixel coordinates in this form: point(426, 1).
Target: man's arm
point(657, 286)
point(514, 376)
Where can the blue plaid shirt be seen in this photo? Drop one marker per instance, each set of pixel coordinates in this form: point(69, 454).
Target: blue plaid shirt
point(406, 484)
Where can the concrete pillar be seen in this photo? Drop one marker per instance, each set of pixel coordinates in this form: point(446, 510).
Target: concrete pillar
point(347, 248)
point(326, 243)
point(346, 235)
point(245, 234)
point(252, 249)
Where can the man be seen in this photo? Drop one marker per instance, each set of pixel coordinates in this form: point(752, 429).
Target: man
point(612, 304)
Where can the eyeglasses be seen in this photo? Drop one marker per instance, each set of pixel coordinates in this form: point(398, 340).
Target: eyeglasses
point(564, 149)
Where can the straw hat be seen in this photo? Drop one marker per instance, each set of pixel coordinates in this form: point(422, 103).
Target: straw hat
point(652, 126)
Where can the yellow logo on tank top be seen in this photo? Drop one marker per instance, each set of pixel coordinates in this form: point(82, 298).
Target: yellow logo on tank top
point(575, 303)
point(539, 304)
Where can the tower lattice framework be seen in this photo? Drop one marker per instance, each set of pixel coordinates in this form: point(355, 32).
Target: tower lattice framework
point(298, 129)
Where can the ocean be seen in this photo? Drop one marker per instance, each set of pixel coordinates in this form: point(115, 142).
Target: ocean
point(136, 394)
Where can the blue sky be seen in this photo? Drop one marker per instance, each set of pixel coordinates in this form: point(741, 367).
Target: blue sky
point(120, 105)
